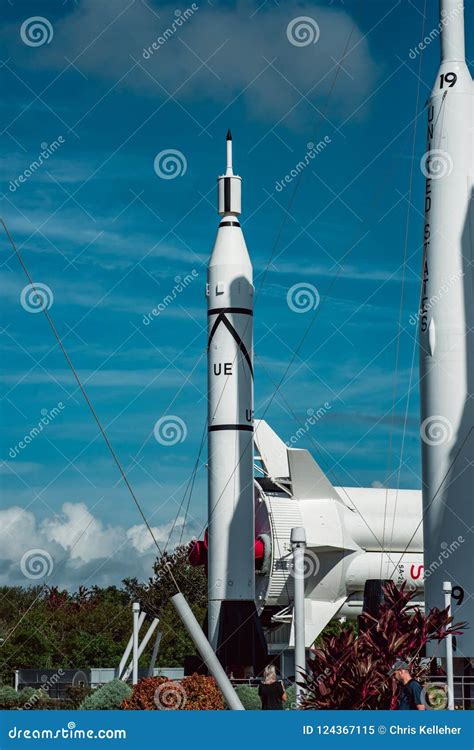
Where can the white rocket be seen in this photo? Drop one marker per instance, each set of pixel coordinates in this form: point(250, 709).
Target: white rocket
point(446, 331)
point(352, 533)
point(230, 536)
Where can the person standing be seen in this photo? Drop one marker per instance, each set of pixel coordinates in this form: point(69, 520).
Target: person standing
point(271, 691)
point(410, 698)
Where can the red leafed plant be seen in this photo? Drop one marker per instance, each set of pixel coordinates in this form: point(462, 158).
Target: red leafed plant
point(57, 599)
point(196, 692)
point(143, 696)
point(349, 671)
point(202, 694)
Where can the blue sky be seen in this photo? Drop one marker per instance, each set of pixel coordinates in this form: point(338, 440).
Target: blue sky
point(111, 238)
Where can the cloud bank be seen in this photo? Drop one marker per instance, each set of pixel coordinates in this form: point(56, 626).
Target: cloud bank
point(258, 53)
point(74, 548)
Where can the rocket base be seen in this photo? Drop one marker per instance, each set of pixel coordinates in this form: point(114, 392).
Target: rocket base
point(241, 642)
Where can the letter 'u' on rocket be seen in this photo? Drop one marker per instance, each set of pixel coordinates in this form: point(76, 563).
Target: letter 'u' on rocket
point(447, 330)
point(234, 630)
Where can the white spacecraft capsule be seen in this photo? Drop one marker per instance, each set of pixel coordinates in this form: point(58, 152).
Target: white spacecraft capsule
point(352, 535)
point(447, 331)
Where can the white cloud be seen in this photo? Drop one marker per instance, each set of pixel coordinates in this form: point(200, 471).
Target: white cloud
point(218, 54)
point(92, 294)
point(80, 534)
point(17, 532)
point(115, 249)
point(142, 540)
point(349, 272)
point(82, 548)
point(166, 377)
point(7, 468)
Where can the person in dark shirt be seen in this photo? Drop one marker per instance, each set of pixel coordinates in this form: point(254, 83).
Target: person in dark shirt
point(410, 698)
point(271, 691)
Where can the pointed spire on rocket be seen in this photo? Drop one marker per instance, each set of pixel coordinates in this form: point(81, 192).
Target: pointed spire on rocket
point(229, 185)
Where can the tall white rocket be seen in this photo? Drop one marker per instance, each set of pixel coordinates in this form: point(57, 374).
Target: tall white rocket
point(232, 618)
point(446, 331)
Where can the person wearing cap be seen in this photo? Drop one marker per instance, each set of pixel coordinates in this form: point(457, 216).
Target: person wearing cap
point(410, 698)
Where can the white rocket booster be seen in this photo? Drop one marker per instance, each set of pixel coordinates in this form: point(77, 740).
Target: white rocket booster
point(231, 574)
point(446, 330)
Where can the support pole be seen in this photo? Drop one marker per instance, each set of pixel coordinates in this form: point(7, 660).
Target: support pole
point(136, 616)
point(447, 588)
point(207, 654)
point(298, 544)
point(141, 648)
point(154, 655)
point(128, 649)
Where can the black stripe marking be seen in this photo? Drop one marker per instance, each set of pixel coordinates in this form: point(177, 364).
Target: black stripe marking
point(219, 310)
point(229, 224)
point(245, 427)
point(226, 193)
point(221, 318)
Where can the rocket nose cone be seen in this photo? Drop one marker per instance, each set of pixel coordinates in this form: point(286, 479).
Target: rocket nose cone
point(229, 136)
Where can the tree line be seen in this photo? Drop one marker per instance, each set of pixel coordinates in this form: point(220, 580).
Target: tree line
point(51, 628)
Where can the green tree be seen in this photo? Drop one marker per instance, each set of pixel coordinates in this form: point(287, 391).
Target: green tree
point(172, 570)
point(59, 629)
point(55, 628)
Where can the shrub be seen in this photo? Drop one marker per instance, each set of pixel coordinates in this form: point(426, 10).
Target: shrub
point(249, 697)
point(26, 698)
point(251, 701)
point(9, 698)
point(194, 693)
point(26, 693)
point(31, 699)
point(143, 696)
point(55, 704)
point(201, 694)
point(291, 697)
point(76, 695)
point(108, 697)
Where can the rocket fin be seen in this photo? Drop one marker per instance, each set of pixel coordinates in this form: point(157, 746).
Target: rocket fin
point(317, 614)
point(307, 478)
point(271, 450)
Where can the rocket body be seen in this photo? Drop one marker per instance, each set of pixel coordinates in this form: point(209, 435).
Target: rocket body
point(446, 332)
point(230, 421)
point(231, 524)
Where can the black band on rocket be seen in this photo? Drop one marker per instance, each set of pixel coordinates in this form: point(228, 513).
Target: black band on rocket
point(245, 427)
point(219, 310)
